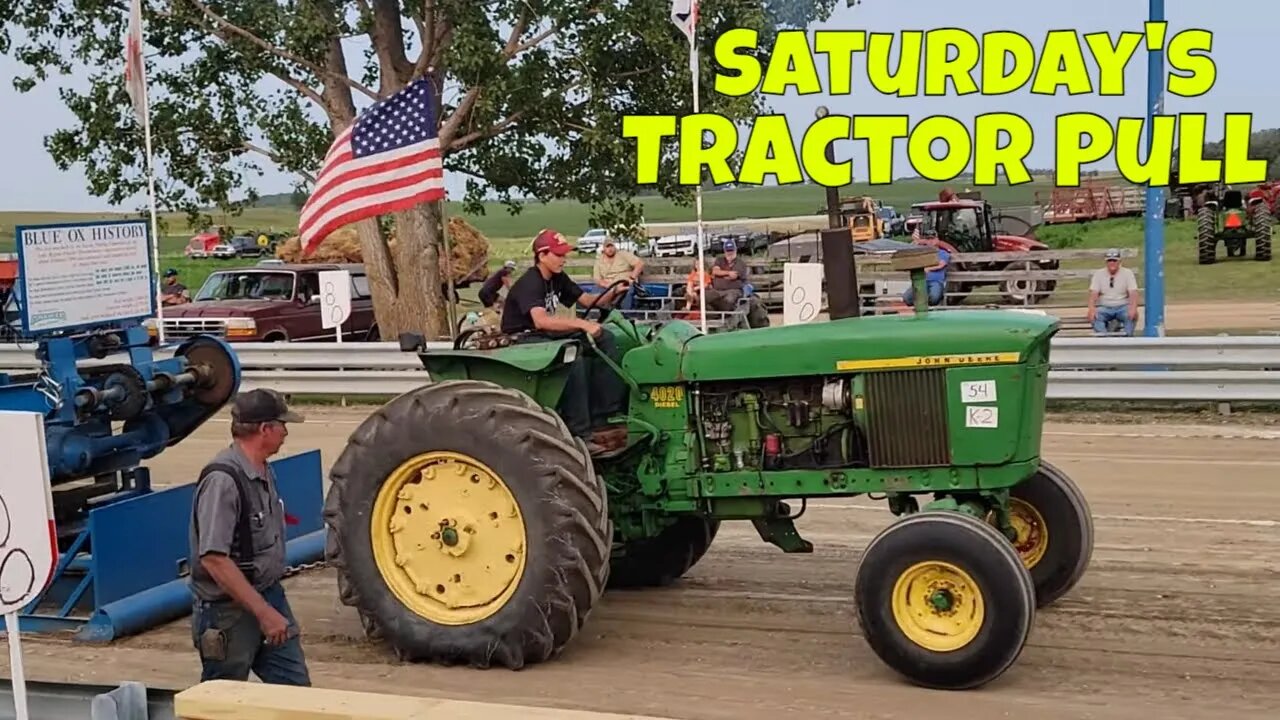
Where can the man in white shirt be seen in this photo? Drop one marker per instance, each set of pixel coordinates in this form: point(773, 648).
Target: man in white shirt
point(1113, 295)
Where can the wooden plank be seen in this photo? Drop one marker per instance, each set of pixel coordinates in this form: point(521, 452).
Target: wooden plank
point(227, 699)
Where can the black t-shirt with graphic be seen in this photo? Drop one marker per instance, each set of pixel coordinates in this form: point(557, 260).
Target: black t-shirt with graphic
point(533, 291)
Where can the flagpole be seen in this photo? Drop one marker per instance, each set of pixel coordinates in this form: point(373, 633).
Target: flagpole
point(151, 200)
point(697, 191)
point(133, 51)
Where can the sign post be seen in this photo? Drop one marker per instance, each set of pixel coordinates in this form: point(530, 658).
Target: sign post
point(335, 303)
point(802, 292)
point(28, 539)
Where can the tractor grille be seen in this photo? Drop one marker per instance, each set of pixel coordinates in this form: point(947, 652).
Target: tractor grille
point(907, 412)
point(189, 327)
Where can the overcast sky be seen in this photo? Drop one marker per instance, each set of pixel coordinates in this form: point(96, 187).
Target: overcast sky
point(1243, 36)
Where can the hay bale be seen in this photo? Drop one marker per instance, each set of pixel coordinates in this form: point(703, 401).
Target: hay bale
point(470, 250)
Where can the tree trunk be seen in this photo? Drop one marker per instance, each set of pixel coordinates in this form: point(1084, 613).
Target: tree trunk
point(406, 282)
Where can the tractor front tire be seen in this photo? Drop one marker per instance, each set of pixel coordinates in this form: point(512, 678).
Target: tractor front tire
point(1206, 236)
point(664, 558)
point(467, 526)
point(1055, 531)
point(944, 600)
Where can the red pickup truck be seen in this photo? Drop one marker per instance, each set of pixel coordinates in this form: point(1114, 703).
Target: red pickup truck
point(269, 303)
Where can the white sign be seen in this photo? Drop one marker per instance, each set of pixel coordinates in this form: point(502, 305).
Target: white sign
point(802, 292)
point(82, 274)
point(335, 297)
point(28, 543)
point(978, 391)
point(979, 416)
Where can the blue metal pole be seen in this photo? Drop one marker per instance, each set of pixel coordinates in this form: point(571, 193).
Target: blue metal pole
point(1153, 245)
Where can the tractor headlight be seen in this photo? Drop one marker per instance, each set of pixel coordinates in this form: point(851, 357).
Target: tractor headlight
point(241, 327)
point(570, 354)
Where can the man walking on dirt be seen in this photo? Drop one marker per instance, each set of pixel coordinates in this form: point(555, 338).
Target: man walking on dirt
point(240, 618)
point(593, 391)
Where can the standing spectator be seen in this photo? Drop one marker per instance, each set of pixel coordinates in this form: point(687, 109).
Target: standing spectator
point(935, 277)
point(613, 265)
point(729, 277)
point(1113, 295)
point(173, 292)
point(495, 283)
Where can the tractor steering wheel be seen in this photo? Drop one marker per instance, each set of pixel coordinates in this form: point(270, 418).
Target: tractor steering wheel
point(592, 307)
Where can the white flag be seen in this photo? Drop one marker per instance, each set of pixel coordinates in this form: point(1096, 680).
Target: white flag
point(684, 13)
point(135, 76)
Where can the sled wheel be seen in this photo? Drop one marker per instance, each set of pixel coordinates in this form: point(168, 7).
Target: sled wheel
point(944, 600)
point(665, 557)
point(1054, 531)
point(468, 526)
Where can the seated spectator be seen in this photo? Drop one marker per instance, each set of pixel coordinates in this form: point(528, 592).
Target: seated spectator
point(1113, 296)
point(729, 276)
point(613, 265)
point(935, 277)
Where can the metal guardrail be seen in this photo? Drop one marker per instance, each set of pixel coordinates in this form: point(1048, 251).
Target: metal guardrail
point(1212, 368)
point(73, 701)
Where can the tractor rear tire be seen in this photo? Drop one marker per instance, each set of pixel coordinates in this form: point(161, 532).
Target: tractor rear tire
point(1262, 224)
point(1055, 531)
point(467, 526)
point(944, 600)
point(664, 558)
point(1206, 236)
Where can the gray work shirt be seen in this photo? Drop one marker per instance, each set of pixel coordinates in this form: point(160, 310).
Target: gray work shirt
point(724, 283)
point(216, 506)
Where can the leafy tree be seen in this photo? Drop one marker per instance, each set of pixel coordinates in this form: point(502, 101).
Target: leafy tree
point(541, 88)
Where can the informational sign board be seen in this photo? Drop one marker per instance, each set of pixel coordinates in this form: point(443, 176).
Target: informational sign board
point(802, 292)
point(75, 275)
point(28, 538)
point(335, 298)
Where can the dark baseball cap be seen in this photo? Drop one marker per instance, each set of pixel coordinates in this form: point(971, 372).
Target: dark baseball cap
point(262, 405)
point(553, 241)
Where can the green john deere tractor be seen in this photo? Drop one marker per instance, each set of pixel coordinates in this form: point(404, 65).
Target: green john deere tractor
point(467, 526)
point(1218, 220)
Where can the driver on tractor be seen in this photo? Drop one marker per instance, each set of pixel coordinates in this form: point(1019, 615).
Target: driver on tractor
point(593, 392)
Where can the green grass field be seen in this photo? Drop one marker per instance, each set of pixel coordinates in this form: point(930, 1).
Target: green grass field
point(510, 235)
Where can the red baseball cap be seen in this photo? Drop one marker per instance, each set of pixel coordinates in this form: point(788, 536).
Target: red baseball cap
point(553, 241)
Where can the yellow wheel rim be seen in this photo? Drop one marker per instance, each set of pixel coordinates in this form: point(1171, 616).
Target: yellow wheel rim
point(1032, 532)
point(448, 538)
point(938, 606)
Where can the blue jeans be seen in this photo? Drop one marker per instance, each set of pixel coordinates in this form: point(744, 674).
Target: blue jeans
point(934, 290)
point(230, 643)
point(1105, 315)
point(628, 301)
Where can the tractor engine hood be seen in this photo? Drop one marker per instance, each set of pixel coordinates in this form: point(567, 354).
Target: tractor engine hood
point(953, 337)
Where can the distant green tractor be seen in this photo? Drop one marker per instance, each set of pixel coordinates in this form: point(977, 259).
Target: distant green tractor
point(468, 526)
point(1219, 220)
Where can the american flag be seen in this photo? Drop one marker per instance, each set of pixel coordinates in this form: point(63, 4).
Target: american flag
point(387, 161)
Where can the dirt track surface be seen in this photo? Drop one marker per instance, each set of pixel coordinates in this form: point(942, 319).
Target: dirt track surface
point(1176, 615)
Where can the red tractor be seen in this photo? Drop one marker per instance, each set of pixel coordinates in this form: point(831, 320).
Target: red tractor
point(1269, 193)
point(970, 226)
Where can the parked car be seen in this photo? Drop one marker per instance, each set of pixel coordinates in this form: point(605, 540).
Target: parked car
point(247, 246)
point(223, 251)
point(592, 241)
point(269, 303)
